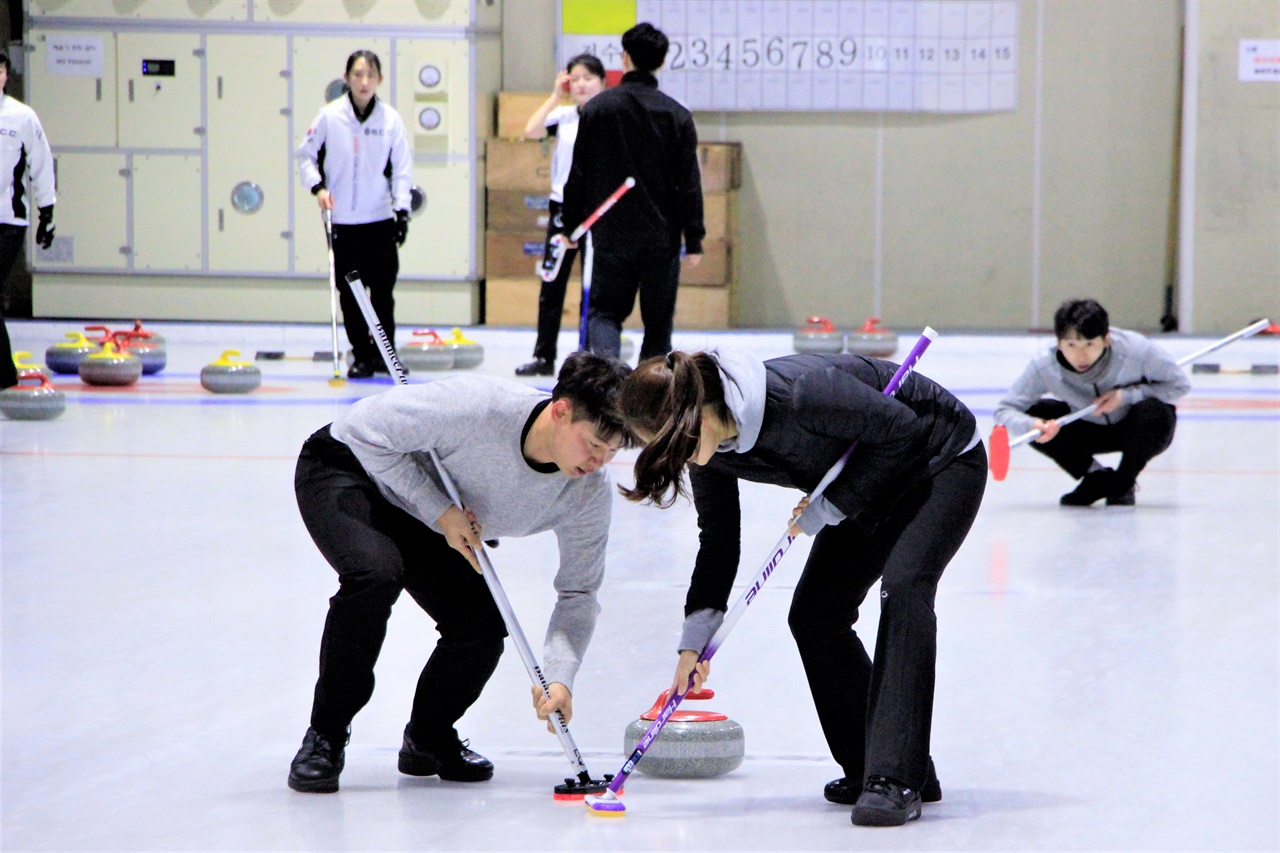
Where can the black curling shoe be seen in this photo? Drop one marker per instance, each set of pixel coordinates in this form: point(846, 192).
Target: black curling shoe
point(846, 793)
point(1093, 487)
point(885, 802)
point(318, 764)
point(537, 367)
point(452, 761)
point(360, 370)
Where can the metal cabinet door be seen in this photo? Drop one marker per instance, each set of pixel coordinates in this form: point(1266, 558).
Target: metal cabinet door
point(250, 155)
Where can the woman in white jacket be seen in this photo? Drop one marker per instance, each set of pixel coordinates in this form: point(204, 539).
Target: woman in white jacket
point(356, 162)
point(23, 150)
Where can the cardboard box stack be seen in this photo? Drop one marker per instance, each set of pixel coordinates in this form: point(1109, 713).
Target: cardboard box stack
point(517, 182)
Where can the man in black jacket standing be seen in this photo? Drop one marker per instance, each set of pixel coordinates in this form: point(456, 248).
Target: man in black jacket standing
point(634, 130)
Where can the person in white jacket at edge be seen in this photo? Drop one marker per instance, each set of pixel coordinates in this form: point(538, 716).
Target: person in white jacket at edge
point(23, 150)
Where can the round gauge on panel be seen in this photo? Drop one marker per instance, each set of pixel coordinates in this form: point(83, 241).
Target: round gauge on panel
point(429, 76)
point(247, 197)
point(429, 118)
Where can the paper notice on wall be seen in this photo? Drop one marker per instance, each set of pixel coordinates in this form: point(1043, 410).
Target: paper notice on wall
point(73, 56)
point(1259, 60)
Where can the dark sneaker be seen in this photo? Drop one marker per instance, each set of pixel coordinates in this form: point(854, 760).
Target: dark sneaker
point(846, 793)
point(360, 370)
point(318, 764)
point(885, 802)
point(537, 367)
point(1093, 487)
point(1126, 498)
point(452, 761)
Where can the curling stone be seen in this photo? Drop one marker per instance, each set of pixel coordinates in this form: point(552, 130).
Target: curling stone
point(65, 357)
point(40, 402)
point(466, 352)
point(872, 340)
point(427, 351)
point(139, 345)
point(818, 335)
point(110, 367)
point(692, 745)
point(225, 376)
point(155, 337)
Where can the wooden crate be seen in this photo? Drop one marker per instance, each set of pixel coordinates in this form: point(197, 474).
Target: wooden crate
point(525, 164)
point(515, 210)
point(696, 308)
point(514, 302)
point(721, 164)
point(716, 267)
point(720, 215)
point(521, 165)
point(514, 110)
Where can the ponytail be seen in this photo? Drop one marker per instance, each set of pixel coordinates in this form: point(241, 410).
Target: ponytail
point(662, 401)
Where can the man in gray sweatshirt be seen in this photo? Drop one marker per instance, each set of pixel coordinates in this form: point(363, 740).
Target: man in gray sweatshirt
point(1134, 383)
point(375, 505)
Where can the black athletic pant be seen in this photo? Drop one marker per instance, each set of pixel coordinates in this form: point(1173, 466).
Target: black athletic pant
point(377, 549)
point(877, 716)
point(551, 296)
point(617, 271)
point(371, 250)
point(11, 238)
point(1145, 432)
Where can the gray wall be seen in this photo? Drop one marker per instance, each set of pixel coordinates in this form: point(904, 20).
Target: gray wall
point(991, 220)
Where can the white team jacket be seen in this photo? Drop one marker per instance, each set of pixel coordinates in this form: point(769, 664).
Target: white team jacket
point(366, 166)
point(22, 148)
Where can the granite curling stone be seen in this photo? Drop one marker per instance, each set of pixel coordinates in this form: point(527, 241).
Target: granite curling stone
point(427, 351)
point(32, 402)
point(818, 336)
point(873, 341)
point(110, 367)
point(64, 357)
point(225, 376)
point(692, 745)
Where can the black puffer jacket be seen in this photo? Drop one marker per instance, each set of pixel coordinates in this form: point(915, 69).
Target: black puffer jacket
point(815, 407)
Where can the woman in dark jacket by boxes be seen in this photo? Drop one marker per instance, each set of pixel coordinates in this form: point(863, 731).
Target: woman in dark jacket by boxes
point(897, 513)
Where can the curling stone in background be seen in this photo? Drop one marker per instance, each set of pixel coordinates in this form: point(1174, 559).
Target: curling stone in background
point(110, 367)
point(139, 345)
point(155, 337)
point(872, 340)
point(225, 376)
point(692, 745)
point(65, 357)
point(466, 352)
point(32, 402)
point(427, 351)
point(818, 335)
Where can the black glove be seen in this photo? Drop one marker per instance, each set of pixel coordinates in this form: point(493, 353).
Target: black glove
point(402, 226)
point(44, 230)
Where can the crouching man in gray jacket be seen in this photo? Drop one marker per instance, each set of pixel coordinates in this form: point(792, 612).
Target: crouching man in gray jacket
point(376, 507)
point(1134, 384)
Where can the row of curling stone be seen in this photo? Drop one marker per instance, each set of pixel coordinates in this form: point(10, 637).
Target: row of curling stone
point(820, 335)
point(148, 347)
point(692, 745)
point(34, 398)
point(225, 376)
point(429, 351)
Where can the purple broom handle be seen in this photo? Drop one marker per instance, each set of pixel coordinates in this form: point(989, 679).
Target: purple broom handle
point(775, 557)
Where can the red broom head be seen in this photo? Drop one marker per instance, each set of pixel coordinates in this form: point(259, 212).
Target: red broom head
point(998, 453)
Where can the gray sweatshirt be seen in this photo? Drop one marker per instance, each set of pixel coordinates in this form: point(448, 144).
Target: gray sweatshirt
point(474, 423)
point(1132, 363)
